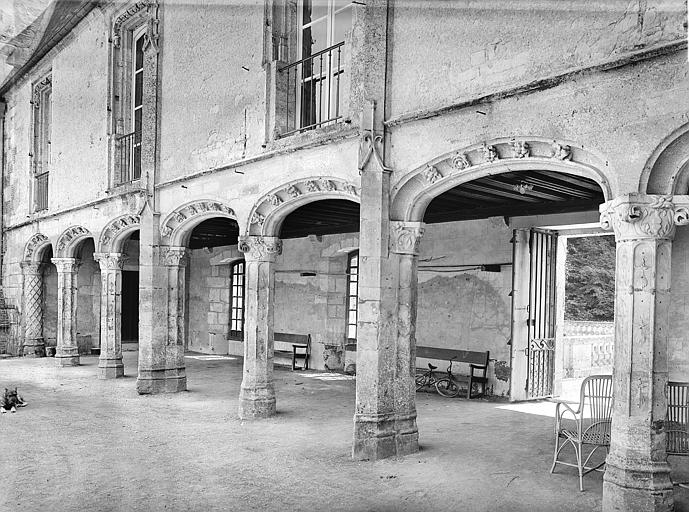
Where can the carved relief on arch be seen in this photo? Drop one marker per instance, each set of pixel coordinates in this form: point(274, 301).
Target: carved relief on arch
point(111, 232)
point(188, 212)
point(285, 197)
point(35, 242)
point(123, 19)
point(69, 238)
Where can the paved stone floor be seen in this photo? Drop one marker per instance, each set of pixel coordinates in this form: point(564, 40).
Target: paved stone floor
point(85, 444)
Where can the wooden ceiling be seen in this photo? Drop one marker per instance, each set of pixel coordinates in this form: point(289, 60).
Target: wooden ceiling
point(510, 194)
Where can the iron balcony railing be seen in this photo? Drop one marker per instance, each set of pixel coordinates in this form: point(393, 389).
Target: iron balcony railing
point(128, 157)
point(41, 191)
point(312, 90)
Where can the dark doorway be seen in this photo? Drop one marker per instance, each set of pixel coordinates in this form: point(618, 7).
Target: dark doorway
point(130, 306)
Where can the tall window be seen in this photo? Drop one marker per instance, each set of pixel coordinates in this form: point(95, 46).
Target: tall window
point(352, 293)
point(42, 130)
point(137, 97)
point(237, 300)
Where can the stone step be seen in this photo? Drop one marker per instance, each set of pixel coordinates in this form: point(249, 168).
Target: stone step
point(130, 347)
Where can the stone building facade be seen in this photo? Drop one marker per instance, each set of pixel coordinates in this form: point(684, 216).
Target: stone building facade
point(369, 173)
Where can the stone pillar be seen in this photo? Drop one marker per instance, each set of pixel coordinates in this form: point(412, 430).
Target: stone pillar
point(637, 476)
point(32, 274)
point(257, 394)
point(67, 352)
point(385, 416)
point(110, 364)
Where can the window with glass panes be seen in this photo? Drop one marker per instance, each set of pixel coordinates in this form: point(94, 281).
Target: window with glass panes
point(137, 97)
point(237, 300)
point(323, 24)
point(352, 293)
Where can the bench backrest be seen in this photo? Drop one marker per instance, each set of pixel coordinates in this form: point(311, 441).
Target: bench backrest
point(284, 341)
point(460, 356)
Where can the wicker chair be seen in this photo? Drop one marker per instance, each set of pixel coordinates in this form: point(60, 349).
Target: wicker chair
point(677, 424)
point(587, 425)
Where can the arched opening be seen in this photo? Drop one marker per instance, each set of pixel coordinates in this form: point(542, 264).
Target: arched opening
point(129, 326)
point(491, 275)
point(213, 288)
point(48, 302)
point(311, 283)
point(88, 298)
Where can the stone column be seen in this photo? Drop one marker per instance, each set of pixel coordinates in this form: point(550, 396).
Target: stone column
point(637, 476)
point(67, 352)
point(385, 417)
point(110, 364)
point(257, 394)
point(32, 274)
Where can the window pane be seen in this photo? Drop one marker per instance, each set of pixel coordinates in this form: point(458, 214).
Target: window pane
point(313, 10)
point(352, 317)
point(351, 331)
point(342, 24)
point(139, 53)
point(138, 89)
point(137, 123)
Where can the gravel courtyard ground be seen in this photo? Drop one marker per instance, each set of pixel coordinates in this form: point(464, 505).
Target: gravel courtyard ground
point(86, 444)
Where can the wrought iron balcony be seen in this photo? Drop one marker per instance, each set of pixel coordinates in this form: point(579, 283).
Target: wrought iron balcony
point(41, 192)
point(311, 94)
point(128, 157)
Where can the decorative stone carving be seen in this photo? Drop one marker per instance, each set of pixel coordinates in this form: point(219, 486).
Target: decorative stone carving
point(312, 186)
point(640, 216)
point(110, 261)
point(490, 154)
point(460, 161)
point(38, 89)
point(260, 248)
point(35, 241)
point(522, 187)
point(69, 236)
point(111, 231)
point(432, 174)
point(293, 192)
point(371, 140)
point(176, 257)
point(328, 185)
point(351, 190)
point(122, 18)
point(33, 308)
point(257, 218)
point(191, 210)
point(66, 265)
point(561, 152)
point(521, 149)
point(152, 30)
point(274, 200)
point(406, 237)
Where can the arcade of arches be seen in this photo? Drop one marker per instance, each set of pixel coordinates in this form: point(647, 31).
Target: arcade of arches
point(443, 263)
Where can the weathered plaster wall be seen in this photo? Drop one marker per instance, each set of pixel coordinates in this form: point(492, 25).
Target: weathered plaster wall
point(211, 71)
point(495, 44)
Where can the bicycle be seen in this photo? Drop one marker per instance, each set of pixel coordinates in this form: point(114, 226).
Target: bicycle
point(445, 386)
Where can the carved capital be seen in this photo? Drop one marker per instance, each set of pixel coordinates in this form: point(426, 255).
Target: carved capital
point(31, 268)
point(110, 260)
point(640, 216)
point(405, 237)
point(176, 257)
point(260, 248)
point(66, 265)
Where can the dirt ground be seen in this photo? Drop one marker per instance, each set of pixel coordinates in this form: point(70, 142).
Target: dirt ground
point(86, 444)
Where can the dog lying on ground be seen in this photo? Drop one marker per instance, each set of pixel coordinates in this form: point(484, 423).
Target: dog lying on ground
point(10, 400)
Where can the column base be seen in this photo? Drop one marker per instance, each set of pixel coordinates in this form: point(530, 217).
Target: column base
point(380, 436)
point(151, 382)
point(67, 356)
point(638, 488)
point(256, 403)
point(34, 348)
point(110, 368)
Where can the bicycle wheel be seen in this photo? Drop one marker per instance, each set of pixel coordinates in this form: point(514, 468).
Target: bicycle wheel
point(447, 388)
point(421, 381)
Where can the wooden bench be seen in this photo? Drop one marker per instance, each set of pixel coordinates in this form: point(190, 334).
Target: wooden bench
point(296, 346)
point(478, 364)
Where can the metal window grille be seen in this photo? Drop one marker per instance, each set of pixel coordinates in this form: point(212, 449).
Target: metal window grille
point(129, 157)
point(352, 293)
point(41, 192)
point(237, 299)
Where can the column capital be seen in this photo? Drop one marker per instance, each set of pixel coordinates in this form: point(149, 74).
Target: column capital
point(31, 267)
point(260, 248)
point(642, 216)
point(405, 237)
point(175, 256)
point(66, 265)
point(110, 260)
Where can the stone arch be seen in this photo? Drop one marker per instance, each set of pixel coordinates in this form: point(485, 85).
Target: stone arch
point(178, 225)
point(667, 169)
point(270, 211)
point(417, 189)
point(116, 232)
point(70, 239)
point(35, 247)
